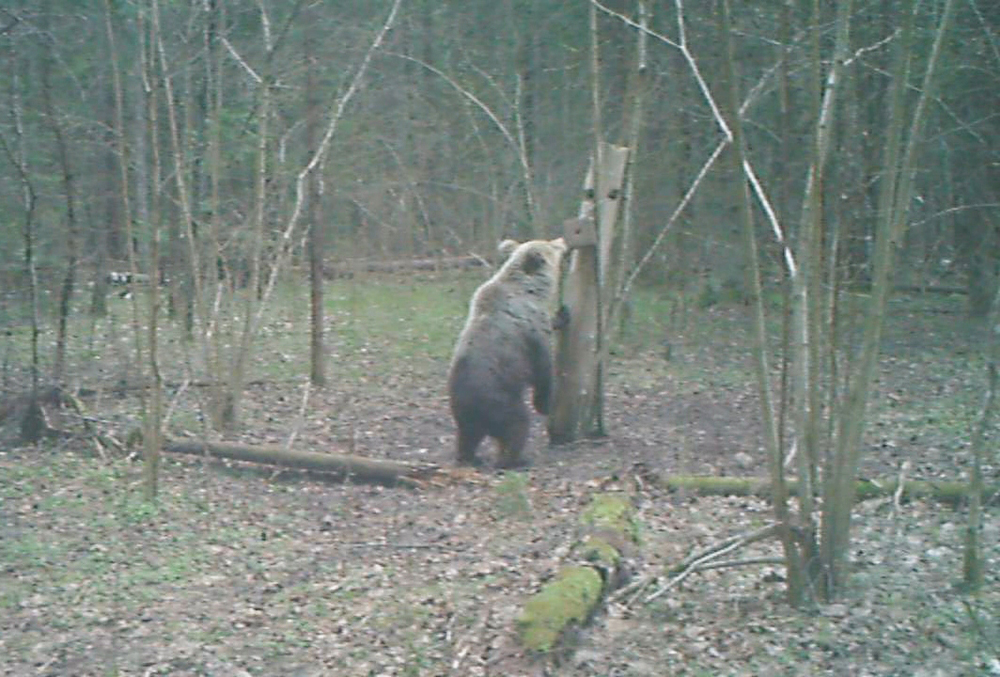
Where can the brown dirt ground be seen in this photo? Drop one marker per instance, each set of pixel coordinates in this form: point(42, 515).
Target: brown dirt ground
point(239, 571)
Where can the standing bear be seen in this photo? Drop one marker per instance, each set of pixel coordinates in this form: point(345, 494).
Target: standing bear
point(504, 348)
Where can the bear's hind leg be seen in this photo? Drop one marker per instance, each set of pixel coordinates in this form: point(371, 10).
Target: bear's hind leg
point(468, 439)
point(512, 440)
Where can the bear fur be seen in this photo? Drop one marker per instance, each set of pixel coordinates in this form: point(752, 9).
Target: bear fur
point(504, 348)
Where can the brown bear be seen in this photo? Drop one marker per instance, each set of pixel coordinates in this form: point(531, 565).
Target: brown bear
point(504, 348)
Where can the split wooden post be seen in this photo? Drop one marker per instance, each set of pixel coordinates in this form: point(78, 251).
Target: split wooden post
point(578, 406)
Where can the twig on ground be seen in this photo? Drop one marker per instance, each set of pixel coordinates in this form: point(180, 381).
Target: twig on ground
point(727, 546)
point(464, 643)
point(978, 626)
point(633, 591)
point(306, 390)
point(897, 495)
point(400, 546)
point(749, 561)
point(697, 561)
point(175, 399)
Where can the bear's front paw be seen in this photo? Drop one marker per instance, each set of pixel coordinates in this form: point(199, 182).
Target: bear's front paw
point(542, 402)
point(512, 462)
point(470, 461)
point(561, 319)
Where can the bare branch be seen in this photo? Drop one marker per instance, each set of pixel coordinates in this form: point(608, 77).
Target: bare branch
point(758, 188)
point(699, 561)
point(240, 60)
point(861, 51)
point(641, 26)
point(772, 218)
point(300, 181)
point(988, 32)
point(951, 210)
point(501, 127)
point(688, 195)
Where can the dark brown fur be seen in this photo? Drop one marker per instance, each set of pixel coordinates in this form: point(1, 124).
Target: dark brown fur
point(504, 349)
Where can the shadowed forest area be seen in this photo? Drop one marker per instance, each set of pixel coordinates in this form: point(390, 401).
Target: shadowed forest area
point(259, 224)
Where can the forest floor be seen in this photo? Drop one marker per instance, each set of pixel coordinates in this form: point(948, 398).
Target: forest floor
point(241, 571)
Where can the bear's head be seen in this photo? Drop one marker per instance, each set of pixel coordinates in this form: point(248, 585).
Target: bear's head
point(535, 256)
point(534, 265)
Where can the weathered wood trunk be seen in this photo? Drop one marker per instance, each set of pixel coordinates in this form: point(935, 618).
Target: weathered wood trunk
point(577, 410)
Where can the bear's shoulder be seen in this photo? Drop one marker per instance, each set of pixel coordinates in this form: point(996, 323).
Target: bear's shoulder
point(491, 296)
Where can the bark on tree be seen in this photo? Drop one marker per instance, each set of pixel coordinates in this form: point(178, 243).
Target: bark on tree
point(894, 200)
point(69, 276)
point(636, 102)
point(972, 556)
point(153, 407)
point(33, 422)
point(577, 409)
point(794, 557)
point(317, 359)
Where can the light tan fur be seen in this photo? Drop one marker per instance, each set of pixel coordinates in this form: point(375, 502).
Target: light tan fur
point(504, 349)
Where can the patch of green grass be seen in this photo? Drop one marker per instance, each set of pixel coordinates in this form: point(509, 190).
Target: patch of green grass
point(512, 501)
point(28, 551)
point(646, 320)
point(403, 317)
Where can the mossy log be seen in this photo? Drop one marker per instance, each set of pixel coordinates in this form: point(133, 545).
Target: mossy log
point(351, 468)
point(567, 601)
point(949, 492)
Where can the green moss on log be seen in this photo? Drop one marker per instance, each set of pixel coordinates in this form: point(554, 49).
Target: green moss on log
point(574, 595)
point(569, 599)
point(612, 512)
point(598, 552)
point(951, 493)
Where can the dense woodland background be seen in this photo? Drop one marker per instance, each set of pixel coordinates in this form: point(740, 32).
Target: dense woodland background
point(473, 122)
point(233, 161)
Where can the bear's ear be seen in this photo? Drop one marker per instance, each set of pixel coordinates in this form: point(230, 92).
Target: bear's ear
point(533, 262)
point(507, 247)
point(560, 244)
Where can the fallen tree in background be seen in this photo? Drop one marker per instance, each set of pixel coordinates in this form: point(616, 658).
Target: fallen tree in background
point(349, 467)
point(945, 491)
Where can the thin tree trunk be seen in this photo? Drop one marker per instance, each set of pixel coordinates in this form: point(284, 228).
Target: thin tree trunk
point(103, 231)
point(636, 101)
point(69, 276)
point(317, 359)
point(209, 334)
point(807, 286)
point(594, 421)
point(972, 556)
point(206, 334)
point(152, 428)
point(525, 110)
point(123, 163)
point(793, 558)
point(896, 193)
point(32, 425)
point(784, 191)
point(229, 407)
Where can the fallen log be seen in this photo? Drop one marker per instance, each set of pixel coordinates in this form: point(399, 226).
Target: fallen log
point(348, 269)
point(948, 492)
point(577, 590)
point(350, 468)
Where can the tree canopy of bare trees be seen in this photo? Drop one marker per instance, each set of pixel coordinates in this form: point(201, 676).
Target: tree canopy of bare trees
point(205, 146)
